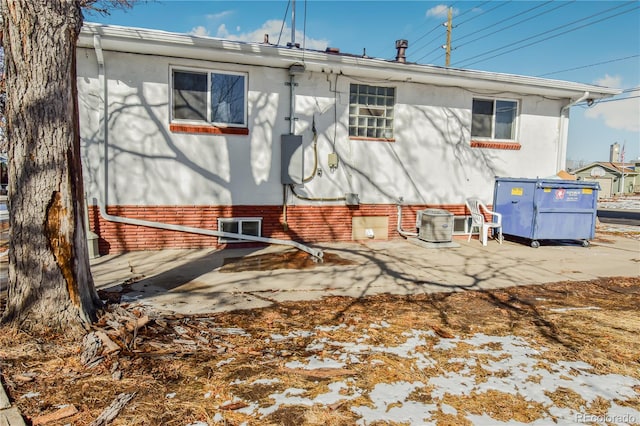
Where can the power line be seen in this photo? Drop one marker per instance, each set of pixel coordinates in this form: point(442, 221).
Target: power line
point(616, 99)
point(427, 43)
point(543, 33)
point(466, 64)
point(304, 31)
point(423, 36)
point(427, 33)
point(517, 23)
point(504, 28)
point(554, 36)
point(406, 34)
point(489, 26)
point(589, 66)
point(504, 3)
point(286, 12)
point(473, 8)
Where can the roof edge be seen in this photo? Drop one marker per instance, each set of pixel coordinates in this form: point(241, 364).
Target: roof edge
point(607, 165)
point(147, 41)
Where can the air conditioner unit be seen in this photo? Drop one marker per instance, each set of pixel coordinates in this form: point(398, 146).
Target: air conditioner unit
point(435, 225)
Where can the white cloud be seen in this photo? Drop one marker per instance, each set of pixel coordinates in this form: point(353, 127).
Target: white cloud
point(609, 81)
point(222, 31)
point(211, 18)
point(199, 31)
point(218, 16)
point(271, 27)
point(440, 11)
point(621, 114)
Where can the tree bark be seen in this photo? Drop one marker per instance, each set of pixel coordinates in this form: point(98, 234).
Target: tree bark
point(50, 284)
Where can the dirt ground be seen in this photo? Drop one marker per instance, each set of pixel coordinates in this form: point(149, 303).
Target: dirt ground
point(237, 367)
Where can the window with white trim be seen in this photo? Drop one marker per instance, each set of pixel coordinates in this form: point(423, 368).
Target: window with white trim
point(461, 225)
point(494, 119)
point(239, 225)
point(214, 97)
point(371, 111)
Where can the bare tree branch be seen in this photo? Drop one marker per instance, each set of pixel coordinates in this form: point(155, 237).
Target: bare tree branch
point(103, 6)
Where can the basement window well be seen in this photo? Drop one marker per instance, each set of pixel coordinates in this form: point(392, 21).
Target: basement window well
point(461, 225)
point(239, 225)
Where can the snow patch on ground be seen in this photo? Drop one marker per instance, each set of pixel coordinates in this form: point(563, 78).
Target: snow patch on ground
point(626, 203)
point(584, 308)
point(512, 365)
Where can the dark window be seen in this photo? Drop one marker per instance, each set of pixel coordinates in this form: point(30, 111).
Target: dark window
point(482, 119)
point(227, 98)
point(243, 225)
point(494, 119)
point(189, 96)
point(223, 94)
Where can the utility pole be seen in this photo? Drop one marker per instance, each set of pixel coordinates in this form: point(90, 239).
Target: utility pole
point(622, 168)
point(448, 45)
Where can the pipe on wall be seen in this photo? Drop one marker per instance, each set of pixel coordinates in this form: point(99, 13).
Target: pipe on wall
point(399, 226)
point(159, 225)
point(564, 130)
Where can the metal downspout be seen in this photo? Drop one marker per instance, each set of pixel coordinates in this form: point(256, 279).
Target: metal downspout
point(563, 131)
point(167, 226)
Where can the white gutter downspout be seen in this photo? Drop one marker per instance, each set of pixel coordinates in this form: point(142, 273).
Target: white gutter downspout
point(563, 139)
point(171, 227)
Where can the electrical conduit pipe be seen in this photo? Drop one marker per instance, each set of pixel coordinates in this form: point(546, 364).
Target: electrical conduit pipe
point(167, 226)
point(399, 228)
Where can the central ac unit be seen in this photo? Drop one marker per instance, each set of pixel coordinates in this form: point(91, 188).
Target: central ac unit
point(435, 225)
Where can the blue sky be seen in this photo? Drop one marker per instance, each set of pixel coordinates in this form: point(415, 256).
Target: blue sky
point(594, 42)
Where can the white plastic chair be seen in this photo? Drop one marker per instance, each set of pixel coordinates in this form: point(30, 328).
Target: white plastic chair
point(478, 221)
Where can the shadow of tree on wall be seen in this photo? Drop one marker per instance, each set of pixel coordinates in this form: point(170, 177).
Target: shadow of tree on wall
point(156, 157)
point(413, 165)
point(397, 169)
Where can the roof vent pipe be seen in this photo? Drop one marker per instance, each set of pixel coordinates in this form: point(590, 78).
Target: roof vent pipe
point(401, 47)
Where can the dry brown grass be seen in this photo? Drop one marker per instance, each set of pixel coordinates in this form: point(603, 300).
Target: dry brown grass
point(207, 374)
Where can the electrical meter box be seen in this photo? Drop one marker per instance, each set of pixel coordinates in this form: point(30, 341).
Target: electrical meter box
point(292, 160)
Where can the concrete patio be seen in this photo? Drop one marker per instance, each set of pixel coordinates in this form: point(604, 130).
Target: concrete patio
point(191, 281)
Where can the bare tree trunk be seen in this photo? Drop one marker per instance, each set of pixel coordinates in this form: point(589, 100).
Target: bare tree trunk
point(50, 283)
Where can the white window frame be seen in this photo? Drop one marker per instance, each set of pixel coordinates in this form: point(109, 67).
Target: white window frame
point(377, 113)
point(208, 72)
point(240, 221)
point(466, 225)
point(516, 121)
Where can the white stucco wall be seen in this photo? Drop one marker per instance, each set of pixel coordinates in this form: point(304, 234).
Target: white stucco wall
point(431, 160)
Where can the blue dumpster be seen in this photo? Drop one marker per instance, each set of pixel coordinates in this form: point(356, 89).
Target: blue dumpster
point(547, 209)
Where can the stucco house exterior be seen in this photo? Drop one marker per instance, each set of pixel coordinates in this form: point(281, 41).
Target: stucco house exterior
point(296, 144)
point(609, 176)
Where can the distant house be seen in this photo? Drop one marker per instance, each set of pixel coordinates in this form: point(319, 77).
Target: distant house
point(296, 144)
point(610, 177)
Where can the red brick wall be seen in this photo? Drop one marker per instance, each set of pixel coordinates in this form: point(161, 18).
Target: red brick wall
point(305, 223)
